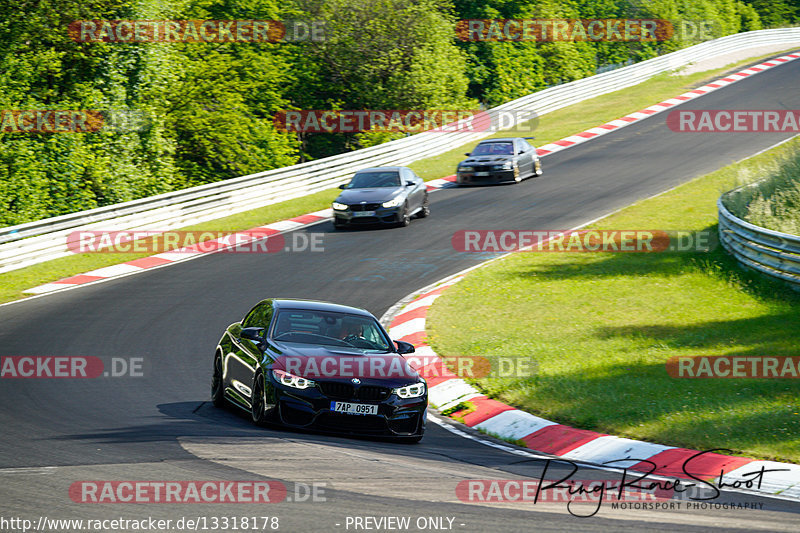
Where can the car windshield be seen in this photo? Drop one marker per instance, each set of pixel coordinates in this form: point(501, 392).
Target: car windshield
point(330, 329)
point(504, 148)
point(365, 180)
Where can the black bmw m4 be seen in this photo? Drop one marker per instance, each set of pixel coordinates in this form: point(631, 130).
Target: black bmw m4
point(318, 365)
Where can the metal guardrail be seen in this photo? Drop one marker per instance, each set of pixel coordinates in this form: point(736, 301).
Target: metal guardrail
point(39, 241)
point(771, 252)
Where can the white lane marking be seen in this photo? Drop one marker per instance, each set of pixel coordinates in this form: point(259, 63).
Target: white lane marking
point(509, 449)
point(788, 480)
point(114, 270)
point(415, 325)
point(43, 290)
point(35, 470)
point(514, 424)
point(610, 448)
point(283, 225)
point(177, 255)
point(324, 213)
point(453, 403)
point(426, 352)
point(422, 302)
point(449, 391)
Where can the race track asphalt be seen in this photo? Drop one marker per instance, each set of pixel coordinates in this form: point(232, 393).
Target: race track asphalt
point(161, 427)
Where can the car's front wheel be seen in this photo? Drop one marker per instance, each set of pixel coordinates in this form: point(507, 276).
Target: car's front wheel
point(217, 385)
point(537, 168)
point(426, 208)
point(258, 401)
point(404, 217)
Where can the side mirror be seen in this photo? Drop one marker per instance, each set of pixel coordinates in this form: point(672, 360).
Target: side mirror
point(404, 347)
point(254, 334)
point(467, 153)
point(410, 184)
point(343, 186)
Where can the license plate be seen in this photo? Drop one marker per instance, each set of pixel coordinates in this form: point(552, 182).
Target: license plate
point(364, 214)
point(481, 173)
point(350, 408)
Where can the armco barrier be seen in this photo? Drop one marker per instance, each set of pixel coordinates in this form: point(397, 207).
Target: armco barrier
point(39, 241)
point(770, 252)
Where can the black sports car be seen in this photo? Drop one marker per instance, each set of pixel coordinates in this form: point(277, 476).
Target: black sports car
point(309, 364)
point(381, 195)
point(497, 160)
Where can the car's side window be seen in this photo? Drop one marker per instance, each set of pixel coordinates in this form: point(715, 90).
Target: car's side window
point(249, 319)
point(526, 146)
point(259, 317)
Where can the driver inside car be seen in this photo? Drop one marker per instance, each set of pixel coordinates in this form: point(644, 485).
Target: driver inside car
point(351, 329)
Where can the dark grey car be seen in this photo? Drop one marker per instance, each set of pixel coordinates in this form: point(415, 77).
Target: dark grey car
point(498, 160)
point(381, 195)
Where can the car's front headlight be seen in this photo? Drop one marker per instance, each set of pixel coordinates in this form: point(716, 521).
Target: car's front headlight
point(508, 165)
point(290, 380)
point(393, 203)
point(466, 169)
point(339, 207)
point(410, 391)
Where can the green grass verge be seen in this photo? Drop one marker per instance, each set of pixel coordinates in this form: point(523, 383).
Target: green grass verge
point(773, 203)
point(13, 283)
point(553, 126)
point(601, 327)
point(516, 442)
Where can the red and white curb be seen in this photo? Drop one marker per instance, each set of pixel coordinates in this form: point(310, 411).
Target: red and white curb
point(647, 112)
point(447, 390)
point(284, 226)
point(185, 253)
point(210, 246)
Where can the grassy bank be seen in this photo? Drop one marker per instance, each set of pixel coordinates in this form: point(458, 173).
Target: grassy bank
point(601, 327)
point(13, 283)
point(551, 127)
point(773, 203)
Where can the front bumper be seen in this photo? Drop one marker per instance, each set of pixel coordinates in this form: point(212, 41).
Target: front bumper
point(381, 215)
point(486, 176)
point(311, 408)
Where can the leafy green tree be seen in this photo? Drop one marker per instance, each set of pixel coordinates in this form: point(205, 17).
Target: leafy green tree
point(776, 13)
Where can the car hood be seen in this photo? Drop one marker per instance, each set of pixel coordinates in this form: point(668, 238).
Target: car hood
point(332, 363)
point(376, 195)
point(487, 159)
